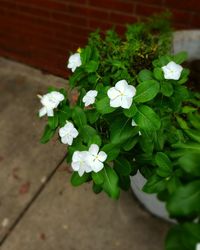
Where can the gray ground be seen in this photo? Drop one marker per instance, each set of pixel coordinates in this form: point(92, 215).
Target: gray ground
point(38, 207)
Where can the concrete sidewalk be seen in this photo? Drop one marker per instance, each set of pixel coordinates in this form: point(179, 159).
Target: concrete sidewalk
point(38, 207)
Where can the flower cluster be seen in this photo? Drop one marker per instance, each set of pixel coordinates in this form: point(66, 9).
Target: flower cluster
point(88, 161)
point(50, 101)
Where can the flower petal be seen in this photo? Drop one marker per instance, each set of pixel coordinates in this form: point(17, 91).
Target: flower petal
point(130, 91)
point(98, 166)
point(115, 103)
point(42, 112)
point(94, 149)
point(121, 85)
point(102, 156)
point(113, 93)
point(50, 112)
point(126, 102)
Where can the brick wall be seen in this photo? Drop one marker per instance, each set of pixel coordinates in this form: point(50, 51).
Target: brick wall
point(42, 32)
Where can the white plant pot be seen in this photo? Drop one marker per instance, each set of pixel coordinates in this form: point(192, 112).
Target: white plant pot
point(189, 41)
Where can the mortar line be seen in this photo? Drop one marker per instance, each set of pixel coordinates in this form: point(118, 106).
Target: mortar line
point(33, 199)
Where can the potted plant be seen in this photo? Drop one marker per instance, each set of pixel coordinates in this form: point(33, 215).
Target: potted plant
point(134, 114)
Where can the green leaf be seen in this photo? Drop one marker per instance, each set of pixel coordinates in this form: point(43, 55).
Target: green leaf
point(146, 91)
point(98, 178)
point(76, 77)
point(77, 180)
point(122, 166)
point(110, 185)
point(147, 119)
point(131, 111)
point(166, 89)
point(103, 106)
point(154, 184)
point(79, 117)
point(145, 75)
point(111, 150)
point(158, 74)
point(180, 57)
point(91, 66)
point(64, 114)
point(85, 54)
point(164, 164)
point(53, 121)
point(190, 162)
point(92, 116)
point(130, 143)
point(193, 134)
point(89, 135)
point(183, 237)
point(47, 134)
point(96, 188)
point(121, 131)
point(185, 201)
point(124, 182)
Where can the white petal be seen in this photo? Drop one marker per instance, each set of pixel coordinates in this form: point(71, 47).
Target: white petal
point(121, 85)
point(116, 102)
point(74, 133)
point(75, 166)
point(198, 246)
point(42, 112)
point(126, 102)
point(57, 96)
point(94, 149)
point(50, 112)
point(62, 131)
point(130, 91)
point(76, 156)
point(113, 93)
point(81, 172)
point(98, 166)
point(102, 156)
point(172, 71)
point(92, 93)
point(68, 139)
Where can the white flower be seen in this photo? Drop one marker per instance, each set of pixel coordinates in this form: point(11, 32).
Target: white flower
point(68, 133)
point(74, 61)
point(79, 162)
point(121, 95)
point(50, 101)
point(95, 158)
point(89, 98)
point(172, 71)
point(198, 246)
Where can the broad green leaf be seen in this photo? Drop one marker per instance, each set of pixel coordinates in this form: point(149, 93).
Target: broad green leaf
point(96, 188)
point(121, 131)
point(79, 117)
point(180, 57)
point(158, 74)
point(190, 162)
point(111, 150)
point(89, 135)
point(131, 111)
point(183, 237)
point(166, 89)
point(122, 166)
point(47, 134)
point(91, 66)
point(164, 164)
point(76, 77)
point(98, 178)
point(53, 121)
point(188, 109)
point(147, 119)
point(182, 123)
point(77, 180)
point(92, 116)
point(130, 143)
point(185, 201)
point(103, 106)
point(110, 184)
point(145, 75)
point(146, 91)
point(154, 184)
point(63, 115)
point(124, 182)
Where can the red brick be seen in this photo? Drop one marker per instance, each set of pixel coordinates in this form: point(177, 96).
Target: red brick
point(147, 10)
point(113, 5)
point(67, 18)
point(122, 18)
point(195, 21)
point(188, 5)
